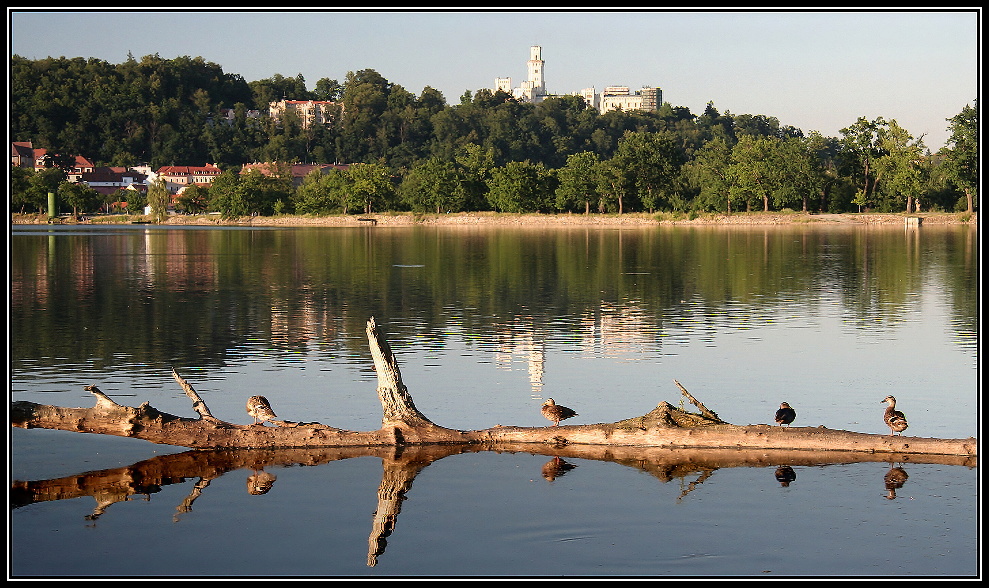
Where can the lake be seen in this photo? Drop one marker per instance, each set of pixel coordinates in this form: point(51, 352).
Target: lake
point(486, 323)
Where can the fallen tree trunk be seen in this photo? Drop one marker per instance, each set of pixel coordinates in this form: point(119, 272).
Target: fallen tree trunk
point(403, 424)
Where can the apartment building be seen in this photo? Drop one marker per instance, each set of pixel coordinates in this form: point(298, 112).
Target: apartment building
point(310, 112)
point(178, 177)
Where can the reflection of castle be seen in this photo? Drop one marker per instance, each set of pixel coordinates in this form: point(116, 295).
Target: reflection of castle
point(533, 90)
point(524, 342)
point(617, 332)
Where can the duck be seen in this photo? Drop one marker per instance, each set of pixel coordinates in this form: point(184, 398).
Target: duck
point(894, 419)
point(259, 408)
point(785, 415)
point(556, 413)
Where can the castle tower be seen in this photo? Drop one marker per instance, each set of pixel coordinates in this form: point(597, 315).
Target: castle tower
point(537, 81)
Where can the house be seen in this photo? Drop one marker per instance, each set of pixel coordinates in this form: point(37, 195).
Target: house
point(299, 171)
point(23, 154)
point(178, 177)
point(107, 180)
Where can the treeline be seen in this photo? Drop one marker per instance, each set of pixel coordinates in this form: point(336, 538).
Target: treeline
point(488, 152)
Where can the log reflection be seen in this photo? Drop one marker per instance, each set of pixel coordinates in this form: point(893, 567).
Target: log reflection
point(402, 464)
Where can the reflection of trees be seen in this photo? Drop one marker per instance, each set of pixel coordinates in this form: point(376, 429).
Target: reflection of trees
point(402, 465)
point(319, 285)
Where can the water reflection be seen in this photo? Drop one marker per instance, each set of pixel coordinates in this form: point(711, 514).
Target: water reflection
point(785, 475)
point(825, 318)
point(401, 465)
point(894, 480)
point(556, 467)
point(611, 294)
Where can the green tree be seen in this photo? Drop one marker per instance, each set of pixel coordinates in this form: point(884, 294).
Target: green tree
point(750, 171)
point(577, 182)
point(371, 186)
point(20, 184)
point(432, 185)
point(323, 193)
point(80, 197)
point(520, 186)
point(825, 152)
point(258, 194)
point(41, 182)
point(158, 199)
point(795, 173)
point(962, 152)
point(223, 194)
point(474, 166)
point(365, 98)
point(612, 186)
point(193, 200)
point(860, 147)
point(708, 175)
point(327, 89)
point(898, 168)
point(652, 162)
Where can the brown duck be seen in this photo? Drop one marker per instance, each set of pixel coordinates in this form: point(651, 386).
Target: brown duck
point(894, 419)
point(785, 415)
point(556, 413)
point(259, 408)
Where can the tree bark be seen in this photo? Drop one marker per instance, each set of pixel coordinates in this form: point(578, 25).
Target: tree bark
point(402, 424)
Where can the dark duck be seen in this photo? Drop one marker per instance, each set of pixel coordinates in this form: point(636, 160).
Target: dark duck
point(785, 415)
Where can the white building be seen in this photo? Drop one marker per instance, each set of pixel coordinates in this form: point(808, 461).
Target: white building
point(611, 98)
point(620, 98)
point(534, 88)
point(310, 112)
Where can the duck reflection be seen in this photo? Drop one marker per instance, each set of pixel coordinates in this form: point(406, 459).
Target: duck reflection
point(260, 482)
point(894, 480)
point(556, 467)
point(785, 475)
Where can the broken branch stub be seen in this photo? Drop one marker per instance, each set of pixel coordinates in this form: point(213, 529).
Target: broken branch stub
point(397, 408)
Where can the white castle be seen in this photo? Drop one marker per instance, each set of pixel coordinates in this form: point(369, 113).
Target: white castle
point(611, 98)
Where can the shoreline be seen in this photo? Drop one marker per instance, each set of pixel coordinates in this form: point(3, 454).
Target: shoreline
point(530, 220)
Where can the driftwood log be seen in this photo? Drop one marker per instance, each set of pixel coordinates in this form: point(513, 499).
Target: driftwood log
point(402, 425)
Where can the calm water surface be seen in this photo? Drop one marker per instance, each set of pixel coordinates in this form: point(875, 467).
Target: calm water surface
point(486, 323)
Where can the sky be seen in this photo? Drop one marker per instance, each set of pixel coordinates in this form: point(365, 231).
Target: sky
point(814, 70)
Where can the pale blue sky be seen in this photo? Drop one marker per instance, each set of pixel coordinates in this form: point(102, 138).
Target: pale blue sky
point(813, 70)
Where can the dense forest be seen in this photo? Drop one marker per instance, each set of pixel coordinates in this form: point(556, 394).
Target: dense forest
point(487, 152)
